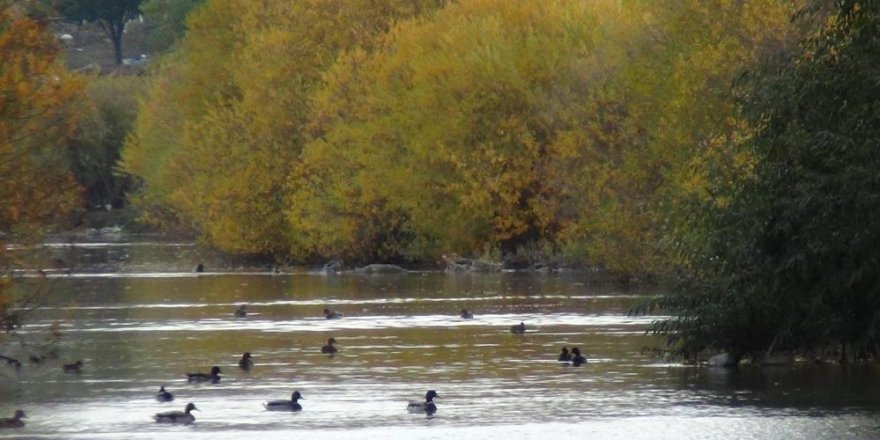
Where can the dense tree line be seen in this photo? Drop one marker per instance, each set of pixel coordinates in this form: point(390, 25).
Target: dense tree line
point(406, 130)
point(731, 144)
point(783, 256)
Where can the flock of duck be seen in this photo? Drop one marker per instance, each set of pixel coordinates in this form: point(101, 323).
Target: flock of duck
point(246, 363)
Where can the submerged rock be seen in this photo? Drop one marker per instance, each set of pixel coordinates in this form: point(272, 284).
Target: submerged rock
point(777, 360)
point(332, 266)
point(723, 360)
point(380, 269)
point(471, 265)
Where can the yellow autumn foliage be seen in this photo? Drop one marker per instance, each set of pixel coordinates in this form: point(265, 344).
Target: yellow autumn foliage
point(391, 129)
point(237, 98)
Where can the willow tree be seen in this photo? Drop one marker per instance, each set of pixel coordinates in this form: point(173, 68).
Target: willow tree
point(569, 126)
point(460, 135)
point(666, 117)
point(236, 96)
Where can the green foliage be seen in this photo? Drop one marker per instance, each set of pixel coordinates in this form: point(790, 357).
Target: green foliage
point(783, 255)
point(94, 150)
point(166, 21)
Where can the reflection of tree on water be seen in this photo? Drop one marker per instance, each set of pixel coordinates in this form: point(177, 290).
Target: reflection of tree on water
point(23, 343)
point(803, 387)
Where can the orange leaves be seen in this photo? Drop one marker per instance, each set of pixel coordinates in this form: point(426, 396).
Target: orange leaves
point(36, 115)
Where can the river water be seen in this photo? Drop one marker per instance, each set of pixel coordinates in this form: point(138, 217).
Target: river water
point(138, 317)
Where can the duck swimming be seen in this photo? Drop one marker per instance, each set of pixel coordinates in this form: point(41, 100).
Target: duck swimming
point(565, 356)
point(246, 363)
point(577, 359)
point(466, 315)
point(329, 348)
point(164, 396)
point(177, 416)
point(285, 405)
point(427, 406)
point(214, 377)
point(75, 367)
point(518, 329)
point(241, 311)
point(330, 314)
point(15, 421)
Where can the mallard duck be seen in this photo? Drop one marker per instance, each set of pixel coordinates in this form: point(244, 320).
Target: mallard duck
point(15, 421)
point(246, 363)
point(427, 406)
point(577, 359)
point(518, 329)
point(164, 396)
point(329, 348)
point(177, 416)
point(241, 311)
point(466, 315)
point(214, 377)
point(330, 314)
point(285, 405)
point(565, 356)
point(75, 367)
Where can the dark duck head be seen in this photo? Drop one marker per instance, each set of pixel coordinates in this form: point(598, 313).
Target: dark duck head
point(164, 396)
point(241, 311)
point(577, 358)
point(246, 363)
point(329, 348)
point(428, 406)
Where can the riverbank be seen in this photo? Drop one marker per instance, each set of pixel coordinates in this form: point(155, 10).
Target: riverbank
point(118, 224)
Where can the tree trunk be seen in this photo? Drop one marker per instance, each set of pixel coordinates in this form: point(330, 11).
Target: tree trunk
point(114, 30)
point(117, 49)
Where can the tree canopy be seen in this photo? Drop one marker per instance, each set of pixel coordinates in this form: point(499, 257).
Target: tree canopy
point(166, 21)
point(782, 256)
point(235, 98)
point(405, 130)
